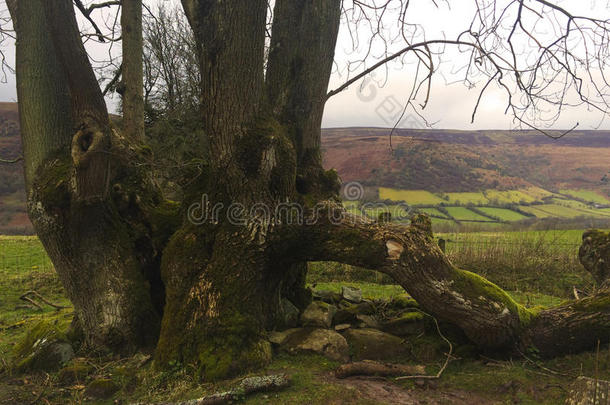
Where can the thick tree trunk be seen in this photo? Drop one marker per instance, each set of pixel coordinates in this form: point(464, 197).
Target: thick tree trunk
point(94, 213)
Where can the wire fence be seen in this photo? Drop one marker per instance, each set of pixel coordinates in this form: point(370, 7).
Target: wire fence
point(23, 254)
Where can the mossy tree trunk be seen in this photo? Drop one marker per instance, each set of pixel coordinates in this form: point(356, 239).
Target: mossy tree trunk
point(91, 208)
point(141, 270)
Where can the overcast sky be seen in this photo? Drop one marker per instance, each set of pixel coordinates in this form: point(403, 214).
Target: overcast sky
point(379, 99)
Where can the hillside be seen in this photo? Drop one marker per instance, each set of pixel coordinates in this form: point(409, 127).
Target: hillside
point(13, 217)
point(430, 169)
point(460, 161)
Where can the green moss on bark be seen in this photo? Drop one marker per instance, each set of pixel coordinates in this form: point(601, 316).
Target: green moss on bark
point(474, 287)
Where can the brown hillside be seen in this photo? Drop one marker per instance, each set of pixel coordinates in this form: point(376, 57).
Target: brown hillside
point(453, 161)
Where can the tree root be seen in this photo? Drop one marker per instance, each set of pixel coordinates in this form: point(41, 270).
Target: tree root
point(246, 387)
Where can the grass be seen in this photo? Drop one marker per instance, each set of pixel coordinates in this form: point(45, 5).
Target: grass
point(493, 209)
point(509, 197)
point(399, 212)
point(503, 214)
point(434, 212)
point(537, 193)
point(412, 197)
point(586, 195)
point(369, 290)
point(467, 198)
point(534, 267)
point(464, 214)
point(536, 210)
point(544, 262)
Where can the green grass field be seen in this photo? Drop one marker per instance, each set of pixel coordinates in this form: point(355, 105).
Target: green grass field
point(432, 212)
point(503, 214)
point(536, 268)
point(496, 208)
point(586, 195)
point(464, 214)
point(412, 197)
point(508, 197)
point(467, 198)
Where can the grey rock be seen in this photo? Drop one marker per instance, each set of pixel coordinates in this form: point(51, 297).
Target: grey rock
point(368, 321)
point(342, 327)
point(327, 343)
point(318, 314)
point(290, 313)
point(350, 313)
point(48, 355)
point(279, 338)
point(101, 388)
point(372, 344)
point(351, 294)
point(327, 296)
point(408, 324)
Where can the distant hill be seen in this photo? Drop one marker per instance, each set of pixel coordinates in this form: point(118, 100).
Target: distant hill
point(462, 161)
point(439, 161)
point(13, 217)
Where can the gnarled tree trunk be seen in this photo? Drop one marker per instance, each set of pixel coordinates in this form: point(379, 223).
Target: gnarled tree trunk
point(93, 211)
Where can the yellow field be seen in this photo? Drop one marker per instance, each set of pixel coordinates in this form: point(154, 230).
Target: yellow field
point(509, 196)
point(413, 197)
point(467, 198)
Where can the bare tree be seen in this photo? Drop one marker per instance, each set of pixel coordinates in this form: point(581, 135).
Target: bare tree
point(204, 286)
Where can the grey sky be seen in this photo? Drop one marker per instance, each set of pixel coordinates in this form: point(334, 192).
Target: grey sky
point(378, 101)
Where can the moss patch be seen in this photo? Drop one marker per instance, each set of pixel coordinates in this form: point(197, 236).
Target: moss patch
point(476, 287)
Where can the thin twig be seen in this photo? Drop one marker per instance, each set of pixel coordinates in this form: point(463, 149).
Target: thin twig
point(447, 360)
point(41, 298)
point(544, 368)
point(31, 301)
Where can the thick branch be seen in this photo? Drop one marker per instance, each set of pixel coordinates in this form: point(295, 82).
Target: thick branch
point(46, 127)
point(300, 63)
point(87, 100)
point(487, 314)
point(230, 36)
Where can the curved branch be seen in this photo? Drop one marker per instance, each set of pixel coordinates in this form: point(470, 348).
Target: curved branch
point(487, 314)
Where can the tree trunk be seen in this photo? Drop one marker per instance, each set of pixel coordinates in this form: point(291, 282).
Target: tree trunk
point(132, 71)
point(94, 213)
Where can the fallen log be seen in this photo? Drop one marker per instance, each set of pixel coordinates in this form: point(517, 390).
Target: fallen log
point(246, 387)
point(368, 367)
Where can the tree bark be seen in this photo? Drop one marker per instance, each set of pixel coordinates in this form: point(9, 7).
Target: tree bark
point(300, 63)
point(93, 211)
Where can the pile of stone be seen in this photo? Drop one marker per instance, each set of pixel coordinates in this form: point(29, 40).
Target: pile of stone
point(345, 326)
